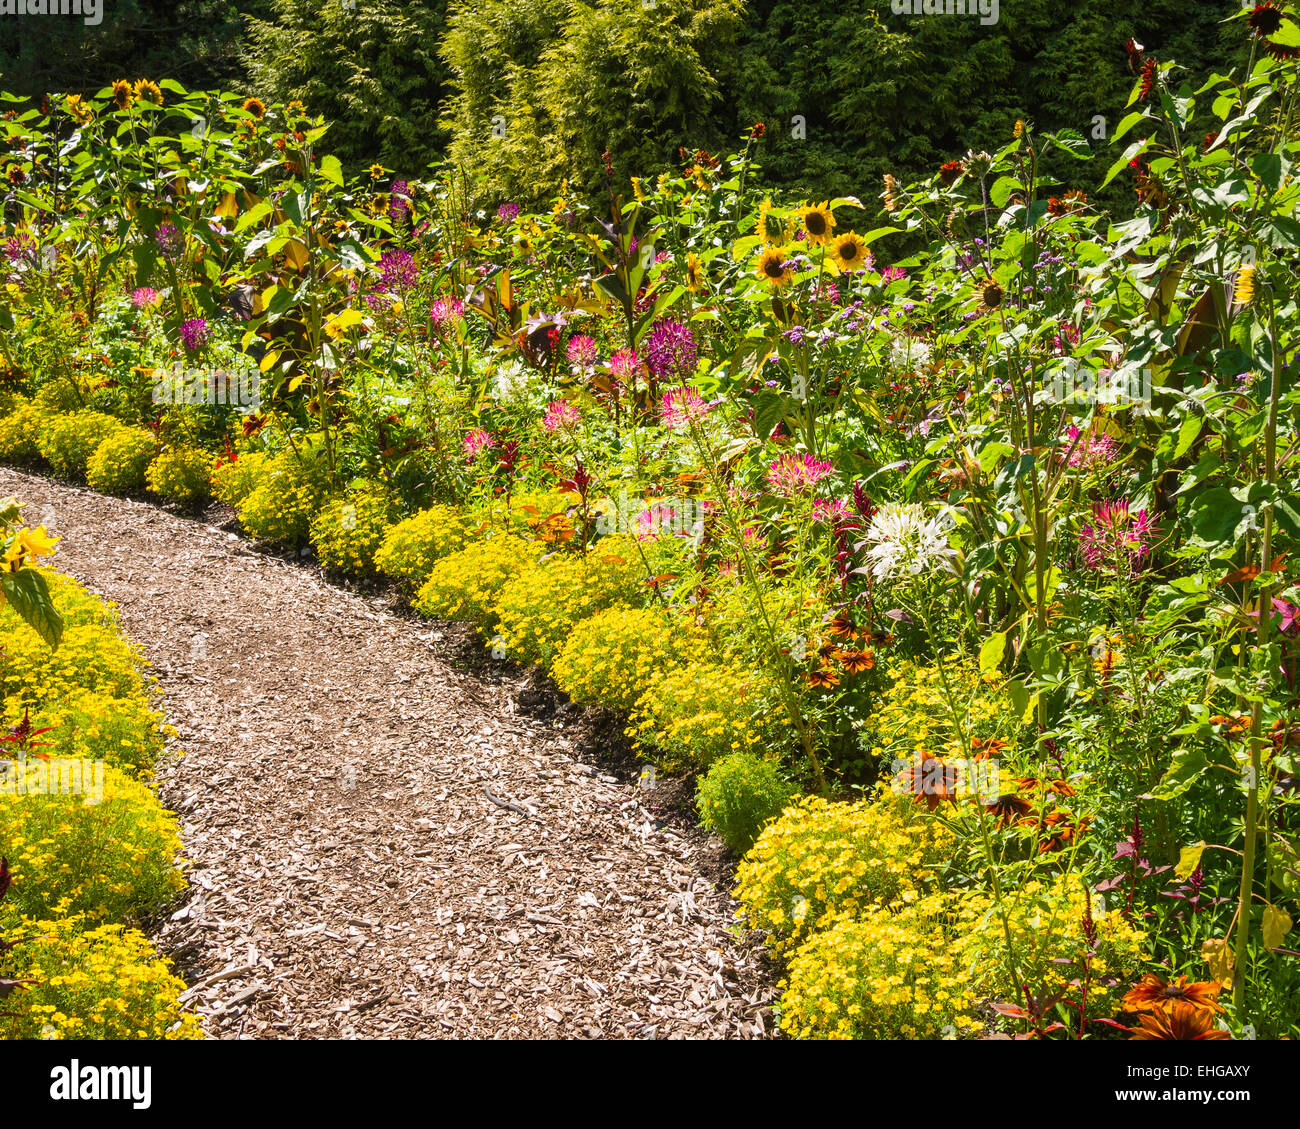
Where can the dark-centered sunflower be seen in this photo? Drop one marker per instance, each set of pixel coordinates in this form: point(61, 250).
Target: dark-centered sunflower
point(774, 267)
point(818, 222)
point(123, 96)
point(851, 252)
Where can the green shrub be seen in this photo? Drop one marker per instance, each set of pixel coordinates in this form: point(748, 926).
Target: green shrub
point(111, 858)
point(288, 493)
point(119, 462)
point(412, 546)
point(538, 610)
point(347, 531)
point(181, 474)
point(68, 441)
point(19, 433)
point(464, 586)
point(739, 794)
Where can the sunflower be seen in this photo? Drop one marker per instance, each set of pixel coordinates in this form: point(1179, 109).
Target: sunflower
point(295, 108)
point(851, 252)
point(770, 230)
point(123, 96)
point(77, 108)
point(376, 172)
point(1152, 993)
point(990, 294)
point(1244, 294)
point(1019, 129)
point(694, 273)
point(949, 171)
point(147, 91)
point(255, 106)
point(818, 222)
point(1180, 1021)
point(1265, 20)
point(774, 267)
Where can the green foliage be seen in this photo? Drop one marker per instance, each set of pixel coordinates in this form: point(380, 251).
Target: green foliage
point(739, 794)
point(543, 88)
point(372, 69)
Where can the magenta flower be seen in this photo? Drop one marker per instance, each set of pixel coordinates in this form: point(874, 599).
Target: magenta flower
point(625, 364)
point(793, 474)
point(444, 312)
point(561, 414)
point(1116, 537)
point(671, 351)
point(581, 351)
point(195, 333)
point(145, 298)
point(476, 442)
point(508, 212)
point(397, 270)
point(681, 406)
point(891, 274)
point(1092, 451)
point(399, 206)
point(831, 513)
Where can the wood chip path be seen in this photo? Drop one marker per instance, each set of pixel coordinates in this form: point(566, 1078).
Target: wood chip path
point(350, 878)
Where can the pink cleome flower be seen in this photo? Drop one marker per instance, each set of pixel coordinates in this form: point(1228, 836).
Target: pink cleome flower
point(145, 298)
point(831, 512)
point(682, 406)
point(561, 414)
point(476, 442)
point(1116, 535)
point(625, 364)
point(445, 311)
point(581, 351)
point(792, 474)
point(1093, 451)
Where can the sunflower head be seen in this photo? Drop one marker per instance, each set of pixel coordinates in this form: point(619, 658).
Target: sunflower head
point(949, 171)
point(818, 221)
point(376, 172)
point(891, 193)
point(255, 106)
point(75, 106)
point(851, 252)
point(1265, 19)
point(774, 267)
point(147, 91)
point(123, 95)
point(990, 295)
point(694, 273)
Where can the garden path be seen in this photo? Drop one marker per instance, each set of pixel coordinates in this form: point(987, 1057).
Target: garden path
point(349, 877)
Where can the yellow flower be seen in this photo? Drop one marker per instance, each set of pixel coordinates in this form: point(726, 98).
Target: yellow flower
point(850, 252)
point(818, 222)
point(1245, 291)
point(774, 267)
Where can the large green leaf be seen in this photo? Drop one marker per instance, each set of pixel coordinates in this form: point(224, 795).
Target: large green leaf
point(26, 590)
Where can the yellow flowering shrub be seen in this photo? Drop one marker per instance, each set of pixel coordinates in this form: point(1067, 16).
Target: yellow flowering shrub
point(825, 857)
point(464, 585)
point(181, 474)
point(110, 859)
point(526, 513)
point(89, 658)
point(19, 430)
point(347, 531)
point(538, 610)
point(887, 973)
point(612, 657)
point(103, 982)
point(57, 396)
point(68, 441)
point(703, 710)
point(914, 712)
point(119, 462)
point(288, 493)
point(739, 794)
point(124, 732)
point(412, 546)
point(1046, 921)
point(234, 481)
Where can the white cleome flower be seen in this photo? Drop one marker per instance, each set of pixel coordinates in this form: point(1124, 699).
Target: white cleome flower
point(903, 542)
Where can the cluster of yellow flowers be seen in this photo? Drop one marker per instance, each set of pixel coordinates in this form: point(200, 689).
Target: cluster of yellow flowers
point(917, 713)
point(19, 428)
point(119, 462)
point(233, 481)
point(346, 532)
point(889, 973)
point(68, 441)
point(465, 585)
point(287, 493)
point(537, 610)
point(613, 657)
point(89, 846)
point(822, 857)
point(412, 546)
point(181, 474)
point(93, 982)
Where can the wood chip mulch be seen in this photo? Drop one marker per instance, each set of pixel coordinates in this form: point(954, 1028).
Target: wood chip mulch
point(349, 875)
